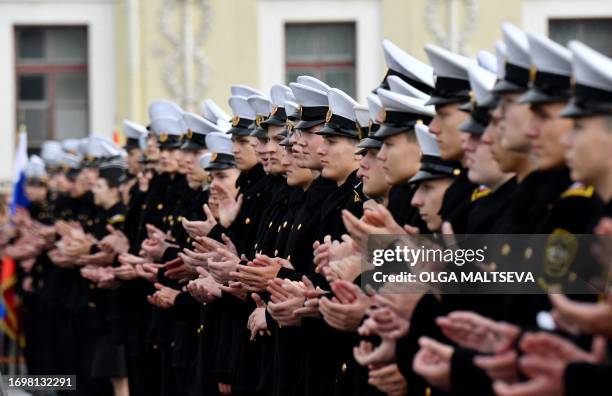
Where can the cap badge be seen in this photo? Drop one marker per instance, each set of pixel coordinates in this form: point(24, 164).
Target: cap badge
point(533, 71)
point(163, 137)
point(213, 157)
point(473, 101)
point(300, 110)
point(274, 110)
point(328, 116)
point(189, 133)
point(259, 118)
point(235, 121)
point(360, 133)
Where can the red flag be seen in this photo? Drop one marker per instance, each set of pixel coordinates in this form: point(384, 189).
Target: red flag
point(10, 322)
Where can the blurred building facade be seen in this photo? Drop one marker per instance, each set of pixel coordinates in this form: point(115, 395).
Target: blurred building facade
point(69, 68)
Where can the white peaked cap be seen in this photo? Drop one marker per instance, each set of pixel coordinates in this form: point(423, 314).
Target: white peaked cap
point(590, 67)
point(517, 45)
point(71, 160)
point(549, 56)
point(51, 151)
point(245, 90)
point(198, 124)
point(291, 107)
point(341, 104)
point(109, 149)
point(212, 112)
point(313, 83)
point(71, 145)
point(204, 160)
point(280, 94)
point(241, 108)
point(487, 60)
point(101, 147)
point(83, 148)
point(447, 63)
point(260, 104)
point(134, 130)
point(171, 126)
point(402, 103)
point(400, 61)
point(500, 56)
point(35, 167)
point(374, 105)
point(308, 96)
point(218, 142)
point(427, 140)
point(481, 82)
point(362, 115)
point(164, 108)
point(396, 84)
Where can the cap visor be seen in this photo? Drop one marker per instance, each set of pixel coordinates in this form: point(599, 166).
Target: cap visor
point(369, 143)
point(505, 86)
point(473, 127)
point(439, 100)
point(219, 166)
point(536, 96)
point(190, 145)
point(170, 146)
point(422, 176)
point(237, 131)
point(259, 133)
point(308, 124)
point(385, 131)
point(271, 121)
point(572, 110)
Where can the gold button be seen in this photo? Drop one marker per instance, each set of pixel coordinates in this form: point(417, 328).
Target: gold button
point(155, 346)
point(456, 172)
point(172, 344)
point(572, 277)
point(428, 391)
point(160, 206)
point(180, 218)
point(256, 246)
point(92, 286)
point(289, 257)
point(278, 230)
point(505, 250)
point(275, 252)
point(144, 206)
point(285, 224)
point(91, 305)
point(299, 226)
point(247, 220)
point(344, 367)
point(528, 253)
point(270, 225)
point(89, 222)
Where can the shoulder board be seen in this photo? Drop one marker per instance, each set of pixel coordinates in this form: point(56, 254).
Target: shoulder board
point(118, 218)
point(578, 190)
point(480, 192)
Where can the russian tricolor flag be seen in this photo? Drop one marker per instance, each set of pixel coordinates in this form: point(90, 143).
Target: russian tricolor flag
point(19, 175)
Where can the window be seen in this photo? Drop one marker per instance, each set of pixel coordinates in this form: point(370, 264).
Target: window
point(324, 51)
point(594, 32)
point(51, 73)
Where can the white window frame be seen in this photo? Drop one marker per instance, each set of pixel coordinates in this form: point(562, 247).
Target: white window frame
point(537, 13)
point(99, 17)
point(365, 14)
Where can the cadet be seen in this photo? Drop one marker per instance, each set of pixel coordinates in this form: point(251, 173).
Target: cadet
point(451, 90)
